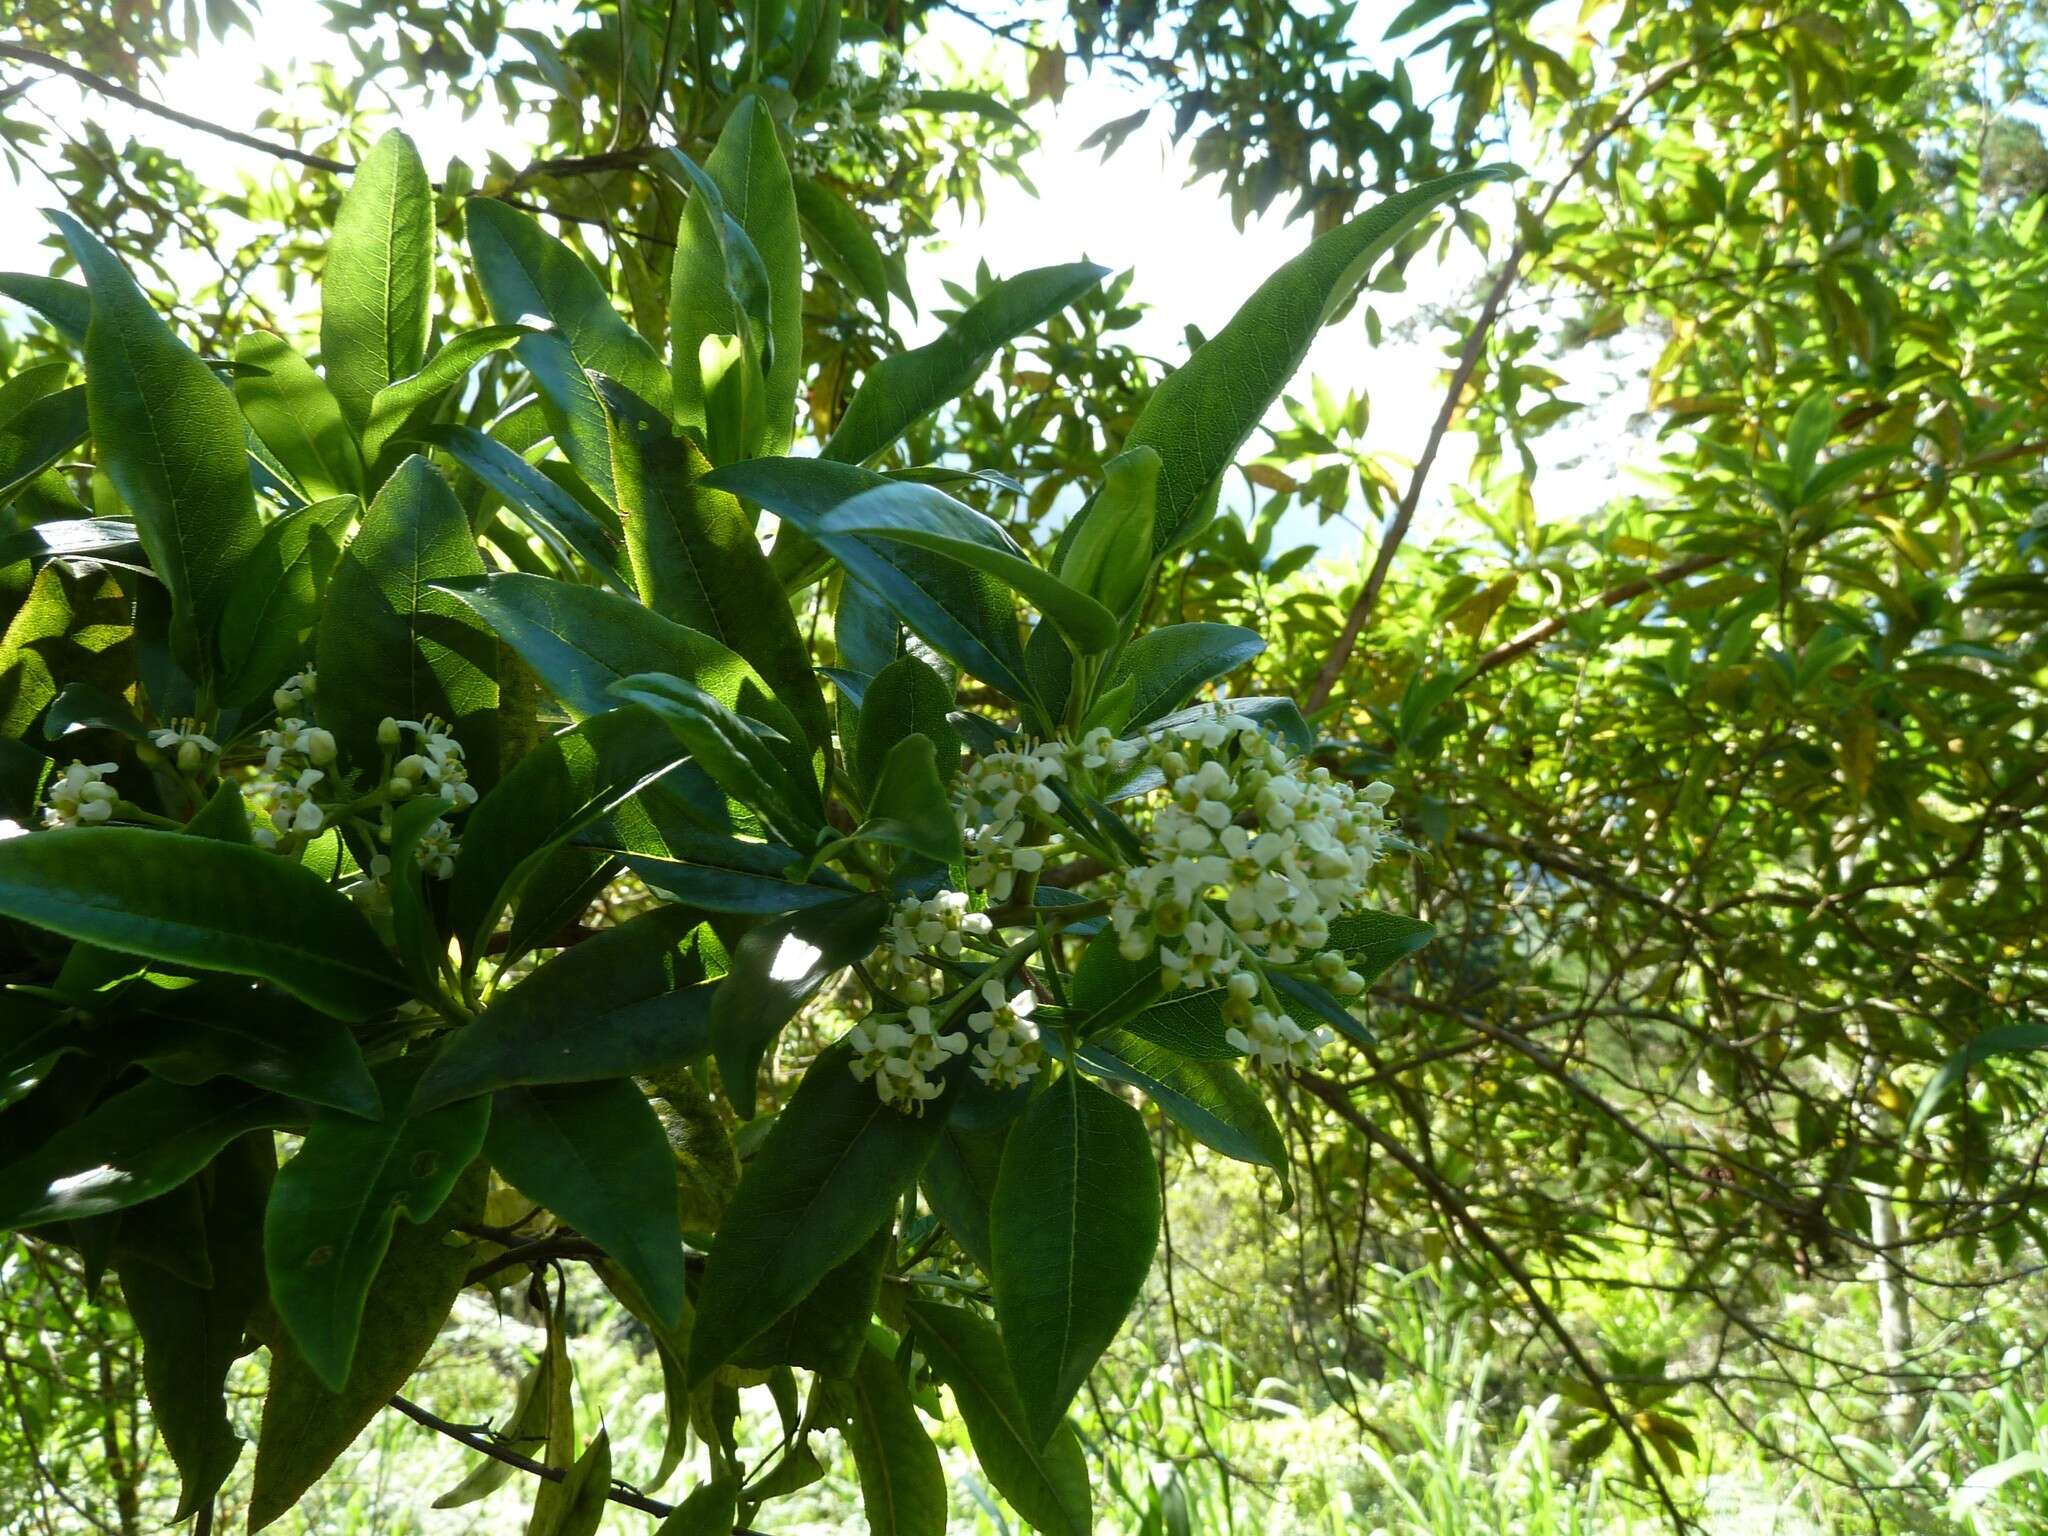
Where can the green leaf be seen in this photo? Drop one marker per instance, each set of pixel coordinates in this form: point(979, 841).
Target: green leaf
point(132, 1147)
point(1169, 663)
point(237, 1030)
point(960, 612)
point(39, 434)
point(1048, 1487)
point(1210, 1100)
point(828, 1174)
point(273, 605)
point(902, 1485)
point(708, 1510)
point(697, 561)
point(579, 1511)
point(777, 967)
point(637, 993)
point(2006, 1040)
point(1201, 414)
point(422, 948)
point(561, 786)
point(377, 291)
point(555, 897)
point(925, 516)
point(749, 884)
point(543, 505)
point(1373, 943)
point(305, 1426)
point(334, 1204)
point(826, 1331)
point(211, 905)
point(580, 641)
point(525, 1429)
point(959, 1183)
point(291, 409)
point(909, 806)
point(738, 757)
point(529, 277)
point(192, 1334)
point(67, 306)
point(388, 645)
point(841, 242)
point(754, 192)
point(1106, 551)
point(903, 389)
point(170, 439)
point(1071, 1232)
point(906, 697)
point(594, 1154)
point(399, 408)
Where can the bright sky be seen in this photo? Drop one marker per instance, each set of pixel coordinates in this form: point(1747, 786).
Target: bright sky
point(1136, 210)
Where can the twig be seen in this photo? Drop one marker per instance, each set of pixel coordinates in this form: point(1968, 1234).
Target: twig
point(485, 1445)
point(1613, 597)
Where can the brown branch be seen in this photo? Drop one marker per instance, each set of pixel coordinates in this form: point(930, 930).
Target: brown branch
point(1451, 1205)
point(1613, 597)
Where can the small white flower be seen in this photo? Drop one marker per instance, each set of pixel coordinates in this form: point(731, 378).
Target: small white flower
point(79, 796)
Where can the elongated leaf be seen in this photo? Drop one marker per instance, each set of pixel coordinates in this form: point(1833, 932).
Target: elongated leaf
point(1048, 1486)
point(1197, 419)
point(67, 306)
point(192, 1334)
point(828, 1174)
point(738, 757)
point(754, 191)
point(378, 287)
point(525, 1430)
point(1373, 943)
point(902, 1485)
point(390, 645)
point(959, 1183)
point(906, 697)
point(708, 1510)
point(81, 537)
point(237, 1030)
point(902, 390)
point(38, 435)
point(297, 417)
point(529, 276)
point(305, 1426)
point(131, 1148)
point(924, 516)
point(584, 1494)
point(1106, 550)
point(211, 905)
point(960, 612)
point(1210, 1100)
point(170, 439)
point(826, 1331)
point(334, 1204)
point(539, 502)
point(638, 993)
point(909, 806)
point(1169, 663)
point(594, 1154)
point(776, 969)
point(273, 607)
point(399, 408)
point(1072, 1230)
point(841, 242)
point(756, 888)
point(2007, 1040)
point(580, 641)
point(696, 560)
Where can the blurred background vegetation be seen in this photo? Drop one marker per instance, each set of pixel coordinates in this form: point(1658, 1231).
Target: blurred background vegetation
point(1708, 660)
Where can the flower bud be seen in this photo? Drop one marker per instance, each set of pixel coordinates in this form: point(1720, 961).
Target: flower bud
point(411, 766)
point(387, 733)
point(399, 788)
point(320, 745)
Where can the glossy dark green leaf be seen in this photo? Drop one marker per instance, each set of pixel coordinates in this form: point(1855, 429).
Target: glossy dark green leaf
point(377, 290)
point(904, 697)
point(170, 439)
point(1373, 943)
point(594, 1154)
point(83, 537)
point(388, 644)
point(1106, 551)
point(402, 406)
point(828, 1174)
point(207, 904)
point(1071, 1232)
point(1197, 419)
point(959, 1183)
point(740, 759)
point(777, 967)
point(132, 1147)
point(273, 606)
point(1168, 664)
point(38, 435)
point(1210, 1100)
point(305, 1425)
point(638, 993)
point(756, 888)
point(529, 276)
point(556, 897)
point(559, 787)
point(826, 1331)
point(902, 1485)
point(334, 1205)
point(291, 409)
point(422, 948)
point(238, 1030)
point(1047, 1486)
point(902, 390)
point(538, 501)
point(707, 1510)
point(909, 806)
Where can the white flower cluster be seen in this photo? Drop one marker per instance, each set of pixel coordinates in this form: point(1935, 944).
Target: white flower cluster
point(1009, 1056)
point(187, 744)
point(898, 1053)
point(436, 760)
point(920, 930)
point(1268, 1036)
point(291, 695)
point(1000, 796)
point(80, 796)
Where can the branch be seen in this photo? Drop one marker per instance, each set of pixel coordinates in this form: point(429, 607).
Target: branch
point(1447, 1201)
point(486, 1445)
point(1613, 597)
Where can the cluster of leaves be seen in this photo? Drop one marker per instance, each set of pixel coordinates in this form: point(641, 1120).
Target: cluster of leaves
point(567, 590)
